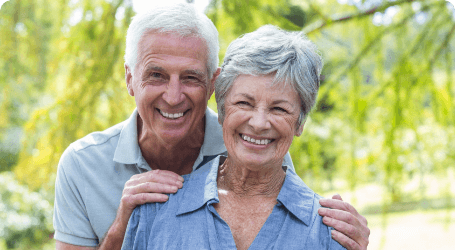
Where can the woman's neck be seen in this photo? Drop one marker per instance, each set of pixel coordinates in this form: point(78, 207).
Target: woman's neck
point(242, 181)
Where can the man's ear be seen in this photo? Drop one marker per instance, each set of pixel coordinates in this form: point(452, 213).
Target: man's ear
point(211, 86)
point(219, 121)
point(129, 80)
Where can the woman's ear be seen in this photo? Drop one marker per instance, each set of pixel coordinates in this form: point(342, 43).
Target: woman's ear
point(300, 129)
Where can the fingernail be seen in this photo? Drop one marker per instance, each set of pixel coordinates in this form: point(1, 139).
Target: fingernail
point(181, 178)
point(174, 188)
point(179, 184)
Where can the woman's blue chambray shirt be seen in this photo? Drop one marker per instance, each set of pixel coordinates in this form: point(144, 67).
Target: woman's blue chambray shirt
point(188, 219)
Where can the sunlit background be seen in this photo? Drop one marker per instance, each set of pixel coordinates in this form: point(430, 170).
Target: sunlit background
point(382, 134)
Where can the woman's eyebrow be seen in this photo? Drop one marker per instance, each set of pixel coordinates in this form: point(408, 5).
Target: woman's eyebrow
point(281, 101)
point(247, 96)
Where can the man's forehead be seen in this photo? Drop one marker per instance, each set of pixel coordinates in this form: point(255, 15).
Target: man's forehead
point(173, 44)
point(198, 41)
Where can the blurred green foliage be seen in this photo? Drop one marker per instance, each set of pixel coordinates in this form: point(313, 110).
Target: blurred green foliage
point(385, 111)
point(25, 216)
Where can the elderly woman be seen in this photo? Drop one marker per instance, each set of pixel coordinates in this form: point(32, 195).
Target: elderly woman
point(248, 199)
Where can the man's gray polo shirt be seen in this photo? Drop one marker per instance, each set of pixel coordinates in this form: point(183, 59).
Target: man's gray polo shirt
point(92, 173)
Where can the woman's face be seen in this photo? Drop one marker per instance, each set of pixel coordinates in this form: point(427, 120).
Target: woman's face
point(260, 121)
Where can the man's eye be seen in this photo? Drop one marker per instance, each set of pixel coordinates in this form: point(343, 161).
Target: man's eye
point(191, 78)
point(156, 75)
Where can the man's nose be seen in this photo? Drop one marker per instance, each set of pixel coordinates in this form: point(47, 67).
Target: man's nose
point(173, 94)
point(259, 120)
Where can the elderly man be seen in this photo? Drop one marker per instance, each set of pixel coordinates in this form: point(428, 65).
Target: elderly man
point(171, 63)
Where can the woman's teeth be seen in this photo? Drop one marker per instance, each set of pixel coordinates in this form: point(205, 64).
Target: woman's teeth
point(255, 141)
point(171, 116)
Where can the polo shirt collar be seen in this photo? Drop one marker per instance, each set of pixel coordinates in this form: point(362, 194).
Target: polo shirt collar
point(201, 188)
point(127, 150)
point(213, 138)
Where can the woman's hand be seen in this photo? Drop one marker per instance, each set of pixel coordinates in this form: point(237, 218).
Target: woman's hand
point(351, 228)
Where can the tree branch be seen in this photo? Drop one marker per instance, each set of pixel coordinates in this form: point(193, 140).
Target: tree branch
point(431, 25)
point(443, 46)
point(324, 91)
point(325, 22)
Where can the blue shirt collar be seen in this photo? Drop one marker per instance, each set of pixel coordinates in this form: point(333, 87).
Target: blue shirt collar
point(297, 197)
point(201, 188)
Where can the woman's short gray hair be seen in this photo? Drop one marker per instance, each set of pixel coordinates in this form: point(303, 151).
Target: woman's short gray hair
point(181, 19)
point(269, 50)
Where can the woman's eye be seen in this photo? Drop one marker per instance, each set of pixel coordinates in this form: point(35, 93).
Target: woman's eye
point(242, 103)
point(280, 109)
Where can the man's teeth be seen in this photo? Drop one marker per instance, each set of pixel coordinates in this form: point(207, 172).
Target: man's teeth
point(171, 116)
point(255, 141)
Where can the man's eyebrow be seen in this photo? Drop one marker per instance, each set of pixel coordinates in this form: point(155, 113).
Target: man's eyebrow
point(154, 68)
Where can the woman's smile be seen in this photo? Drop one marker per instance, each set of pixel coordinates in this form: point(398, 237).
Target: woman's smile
point(255, 140)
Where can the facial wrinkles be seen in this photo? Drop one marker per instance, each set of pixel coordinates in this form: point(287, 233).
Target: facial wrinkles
point(176, 62)
point(260, 110)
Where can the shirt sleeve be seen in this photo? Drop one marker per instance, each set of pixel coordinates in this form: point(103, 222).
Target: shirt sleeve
point(71, 223)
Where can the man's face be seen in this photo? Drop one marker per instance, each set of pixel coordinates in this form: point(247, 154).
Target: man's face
point(171, 85)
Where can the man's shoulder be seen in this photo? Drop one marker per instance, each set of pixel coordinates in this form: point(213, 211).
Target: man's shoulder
point(98, 138)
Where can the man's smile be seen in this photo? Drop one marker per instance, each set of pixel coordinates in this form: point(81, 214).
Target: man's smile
point(171, 115)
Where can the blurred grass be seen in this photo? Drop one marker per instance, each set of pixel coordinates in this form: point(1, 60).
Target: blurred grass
point(416, 230)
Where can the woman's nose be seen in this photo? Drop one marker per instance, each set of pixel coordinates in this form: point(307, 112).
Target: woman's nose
point(173, 94)
point(259, 120)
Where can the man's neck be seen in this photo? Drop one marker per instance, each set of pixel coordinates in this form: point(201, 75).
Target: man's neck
point(176, 156)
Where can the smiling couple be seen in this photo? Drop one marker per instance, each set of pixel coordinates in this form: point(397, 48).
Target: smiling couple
point(239, 189)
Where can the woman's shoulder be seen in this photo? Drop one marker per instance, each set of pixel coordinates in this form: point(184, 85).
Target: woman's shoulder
point(306, 216)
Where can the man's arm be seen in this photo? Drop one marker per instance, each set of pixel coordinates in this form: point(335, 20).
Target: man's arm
point(351, 228)
point(66, 246)
point(140, 189)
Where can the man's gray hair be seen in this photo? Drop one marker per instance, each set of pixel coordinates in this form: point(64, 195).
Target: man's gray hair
point(269, 50)
point(180, 19)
